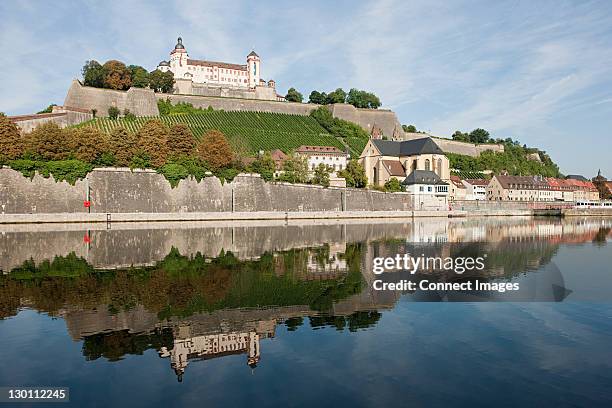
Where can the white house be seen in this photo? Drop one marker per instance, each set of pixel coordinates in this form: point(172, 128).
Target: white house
point(428, 190)
point(476, 189)
point(328, 155)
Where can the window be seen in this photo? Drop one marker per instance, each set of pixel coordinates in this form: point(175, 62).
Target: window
point(440, 167)
point(427, 165)
point(421, 188)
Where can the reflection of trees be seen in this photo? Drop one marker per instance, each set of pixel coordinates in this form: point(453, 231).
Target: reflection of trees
point(179, 285)
point(113, 346)
point(353, 322)
point(601, 237)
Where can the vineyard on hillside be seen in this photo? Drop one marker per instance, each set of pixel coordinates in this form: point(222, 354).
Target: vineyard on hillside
point(254, 130)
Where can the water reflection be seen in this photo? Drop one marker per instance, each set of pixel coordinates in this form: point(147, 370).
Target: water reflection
point(195, 292)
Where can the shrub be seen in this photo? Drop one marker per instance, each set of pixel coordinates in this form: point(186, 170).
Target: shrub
point(354, 174)
point(48, 142)
point(321, 175)
point(215, 150)
point(122, 145)
point(153, 141)
point(295, 170)
point(181, 142)
point(68, 170)
point(113, 112)
point(393, 185)
point(128, 115)
point(140, 161)
point(174, 173)
point(11, 143)
point(264, 166)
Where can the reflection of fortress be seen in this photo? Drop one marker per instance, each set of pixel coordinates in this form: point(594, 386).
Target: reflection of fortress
point(188, 346)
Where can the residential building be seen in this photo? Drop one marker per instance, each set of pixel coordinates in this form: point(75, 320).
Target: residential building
point(428, 190)
point(328, 155)
point(457, 190)
point(538, 188)
point(384, 159)
point(476, 189)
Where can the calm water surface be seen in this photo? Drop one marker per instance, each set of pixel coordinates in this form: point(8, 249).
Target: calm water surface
point(285, 315)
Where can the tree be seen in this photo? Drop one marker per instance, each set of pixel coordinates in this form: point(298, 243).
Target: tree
point(354, 174)
point(265, 166)
point(479, 136)
point(123, 145)
point(181, 142)
point(409, 128)
point(215, 150)
point(318, 98)
point(337, 96)
point(113, 112)
point(93, 74)
point(11, 143)
point(88, 144)
point(48, 109)
point(393, 185)
point(321, 175)
point(128, 115)
point(600, 183)
point(362, 99)
point(161, 81)
point(153, 141)
point(116, 75)
point(293, 96)
point(139, 76)
point(48, 142)
point(295, 169)
point(460, 136)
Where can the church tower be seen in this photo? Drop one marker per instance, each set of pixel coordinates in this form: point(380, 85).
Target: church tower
point(178, 59)
point(253, 64)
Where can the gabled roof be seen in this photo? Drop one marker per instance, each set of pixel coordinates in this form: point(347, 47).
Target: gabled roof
point(394, 168)
point(318, 149)
point(576, 177)
point(456, 180)
point(205, 63)
point(253, 54)
point(425, 145)
point(422, 177)
point(477, 182)
point(523, 182)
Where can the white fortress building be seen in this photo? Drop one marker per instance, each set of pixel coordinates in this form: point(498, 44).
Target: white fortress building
point(212, 78)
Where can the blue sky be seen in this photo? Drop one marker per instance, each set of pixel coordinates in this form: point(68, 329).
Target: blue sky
point(536, 71)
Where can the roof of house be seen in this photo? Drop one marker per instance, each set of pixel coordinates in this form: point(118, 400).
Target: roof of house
point(456, 180)
point(477, 182)
point(422, 177)
point(278, 155)
point(609, 185)
point(525, 182)
point(253, 54)
point(205, 63)
point(576, 177)
point(425, 145)
point(394, 167)
point(318, 149)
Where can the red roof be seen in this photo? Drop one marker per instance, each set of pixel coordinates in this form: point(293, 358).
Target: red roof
point(318, 149)
point(394, 168)
point(456, 180)
point(477, 182)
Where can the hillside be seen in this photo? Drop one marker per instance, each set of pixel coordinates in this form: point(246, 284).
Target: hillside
point(254, 130)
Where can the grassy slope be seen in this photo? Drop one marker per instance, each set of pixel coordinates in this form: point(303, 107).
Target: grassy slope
point(256, 130)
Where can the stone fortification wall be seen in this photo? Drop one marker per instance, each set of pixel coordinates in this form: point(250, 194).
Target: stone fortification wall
point(384, 119)
point(454, 146)
point(120, 190)
point(141, 102)
point(63, 116)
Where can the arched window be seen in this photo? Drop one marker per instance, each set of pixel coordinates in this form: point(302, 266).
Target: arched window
point(375, 176)
point(440, 167)
point(427, 166)
point(414, 165)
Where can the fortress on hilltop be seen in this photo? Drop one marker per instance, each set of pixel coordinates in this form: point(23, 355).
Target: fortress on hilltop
point(212, 78)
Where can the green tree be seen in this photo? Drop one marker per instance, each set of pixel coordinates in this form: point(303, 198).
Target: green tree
point(181, 142)
point(265, 166)
point(362, 99)
point(354, 174)
point(460, 136)
point(139, 76)
point(89, 144)
point(393, 185)
point(215, 150)
point(318, 98)
point(295, 169)
point(337, 96)
point(409, 128)
point(161, 81)
point(113, 112)
point(479, 136)
point(293, 96)
point(48, 109)
point(93, 74)
point(321, 175)
point(153, 142)
point(116, 75)
point(123, 145)
point(11, 143)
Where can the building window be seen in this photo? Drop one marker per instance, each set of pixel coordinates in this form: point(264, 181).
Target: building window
point(440, 167)
point(427, 166)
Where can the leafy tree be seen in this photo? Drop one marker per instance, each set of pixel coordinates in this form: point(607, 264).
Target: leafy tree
point(48, 142)
point(161, 81)
point(153, 142)
point(123, 145)
point(354, 174)
point(48, 109)
point(265, 166)
point(139, 76)
point(93, 74)
point(293, 96)
point(393, 185)
point(460, 136)
point(128, 115)
point(321, 175)
point(338, 127)
point(11, 143)
point(600, 183)
point(337, 96)
point(181, 142)
point(295, 169)
point(409, 128)
point(479, 136)
point(89, 144)
point(113, 112)
point(116, 75)
point(362, 99)
point(215, 150)
point(318, 98)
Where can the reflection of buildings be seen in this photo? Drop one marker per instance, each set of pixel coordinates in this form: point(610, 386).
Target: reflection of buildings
point(327, 265)
point(189, 347)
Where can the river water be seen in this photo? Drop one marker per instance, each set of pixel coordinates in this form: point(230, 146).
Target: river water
point(286, 314)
